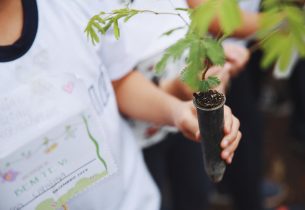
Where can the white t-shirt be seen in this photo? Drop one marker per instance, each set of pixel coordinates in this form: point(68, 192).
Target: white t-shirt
point(63, 140)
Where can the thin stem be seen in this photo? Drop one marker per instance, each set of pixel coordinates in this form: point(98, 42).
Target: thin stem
point(258, 44)
point(208, 65)
point(166, 13)
point(174, 7)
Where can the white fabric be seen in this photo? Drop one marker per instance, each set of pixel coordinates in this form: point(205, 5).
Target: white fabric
point(250, 5)
point(145, 30)
point(61, 48)
point(279, 73)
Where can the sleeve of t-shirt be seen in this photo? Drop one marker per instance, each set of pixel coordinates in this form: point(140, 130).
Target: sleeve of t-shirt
point(116, 57)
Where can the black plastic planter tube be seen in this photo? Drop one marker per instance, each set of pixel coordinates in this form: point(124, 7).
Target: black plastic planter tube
point(211, 124)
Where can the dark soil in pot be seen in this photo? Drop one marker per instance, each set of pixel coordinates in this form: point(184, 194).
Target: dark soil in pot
point(211, 122)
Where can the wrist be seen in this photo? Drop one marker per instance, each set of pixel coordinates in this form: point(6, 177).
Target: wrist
point(175, 110)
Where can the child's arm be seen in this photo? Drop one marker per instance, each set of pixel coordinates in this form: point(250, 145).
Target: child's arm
point(138, 98)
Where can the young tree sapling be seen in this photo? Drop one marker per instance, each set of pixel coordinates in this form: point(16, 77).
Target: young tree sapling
point(281, 33)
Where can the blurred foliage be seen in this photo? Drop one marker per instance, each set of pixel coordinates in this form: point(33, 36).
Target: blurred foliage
point(281, 33)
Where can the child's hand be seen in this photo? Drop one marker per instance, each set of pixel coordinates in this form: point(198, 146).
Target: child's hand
point(223, 74)
point(232, 136)
point(237, 56)
point(185, 119)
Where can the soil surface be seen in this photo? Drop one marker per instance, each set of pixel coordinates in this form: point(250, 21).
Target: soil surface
point(209, 99)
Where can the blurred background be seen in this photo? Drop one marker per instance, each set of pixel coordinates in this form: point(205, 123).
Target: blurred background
point(284, 144)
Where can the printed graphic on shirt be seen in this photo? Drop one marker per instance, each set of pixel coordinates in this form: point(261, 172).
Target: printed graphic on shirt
point(100, 93)
point(71, 155)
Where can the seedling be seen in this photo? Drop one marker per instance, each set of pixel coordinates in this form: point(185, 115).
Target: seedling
point(280, 35)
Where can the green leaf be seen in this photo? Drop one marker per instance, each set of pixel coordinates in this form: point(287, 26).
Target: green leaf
point(215, 51)
point(296, 24)
point(116, 29)
point(99, 27)
point(108, 25)
point(174, 52)
point(169, 32)
point(294, 14)
point(132, 13)
point(268, 22)
point(213, 81)
point(229, 16)
point(290, 36)
point(204, 86)
point(202, 16)
point(272, 48)
point(195, 64)
point(182, 9)
point(286, 54)
point(99, 19)
point(197, 55)
point(190, 78)
point(92, 34)
point(160, 66)
point(121, 11)
point(208, 84)
point(269, 4)
point(271, 51)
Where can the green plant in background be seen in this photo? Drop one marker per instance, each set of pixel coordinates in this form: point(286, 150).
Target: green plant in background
point(281, 33)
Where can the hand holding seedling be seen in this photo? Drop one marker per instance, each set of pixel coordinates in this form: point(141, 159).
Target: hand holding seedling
point(185, 119)
point(237, 56)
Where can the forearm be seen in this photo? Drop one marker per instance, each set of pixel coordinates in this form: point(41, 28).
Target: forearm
point(177, 88)
point(140, 99)
point(250, 22)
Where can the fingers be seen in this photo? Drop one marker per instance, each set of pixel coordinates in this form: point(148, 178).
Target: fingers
point(228, 119)
point(237, 56)
point(228, 153)
point(232, 134)
point(190, 130)
point(223, 74)
point(188, 123)
point(227, 66)
point(230, 159)
point(237, 53)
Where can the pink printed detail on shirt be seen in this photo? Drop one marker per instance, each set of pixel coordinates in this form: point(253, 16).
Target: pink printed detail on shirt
point(68, 87)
